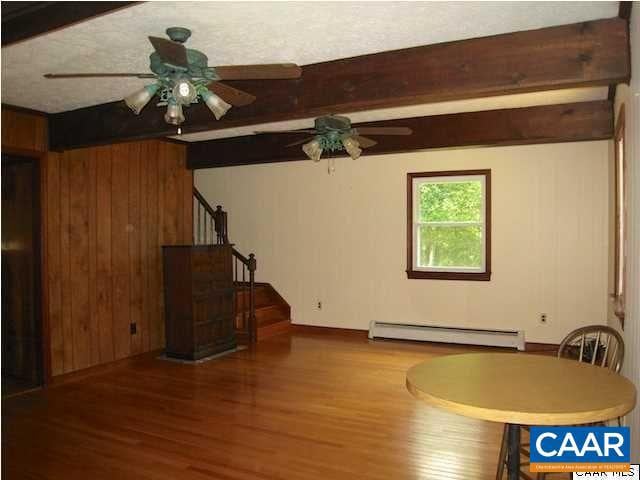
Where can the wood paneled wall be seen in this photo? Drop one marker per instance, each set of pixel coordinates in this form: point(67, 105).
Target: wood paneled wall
point(24, 131)
point(109, 210)
point(106, 213)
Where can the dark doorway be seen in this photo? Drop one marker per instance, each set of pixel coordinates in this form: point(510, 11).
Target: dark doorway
point(22, 366)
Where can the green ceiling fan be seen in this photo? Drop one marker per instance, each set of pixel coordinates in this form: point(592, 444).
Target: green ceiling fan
point(334, 133)
point(182, 77)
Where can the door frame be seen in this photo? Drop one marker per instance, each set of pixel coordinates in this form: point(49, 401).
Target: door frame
point(41, 285)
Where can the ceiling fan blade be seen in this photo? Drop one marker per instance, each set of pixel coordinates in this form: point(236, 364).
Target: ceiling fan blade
point(97, 75)
point(365, 142)
point(299, 142)
point(172, 53)
point(231, 95)
point(285, 131)
point(384, 130)
point(274, 71)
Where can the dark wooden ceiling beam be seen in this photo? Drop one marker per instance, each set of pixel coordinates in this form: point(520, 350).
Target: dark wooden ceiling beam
point(517, 126)
point(624, 12)
point(24, 20)
point(579, 55)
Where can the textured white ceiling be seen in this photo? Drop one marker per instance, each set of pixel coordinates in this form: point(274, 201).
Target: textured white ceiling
point(255, 32)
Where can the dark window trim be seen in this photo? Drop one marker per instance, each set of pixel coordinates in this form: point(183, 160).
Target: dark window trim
point(418, 274)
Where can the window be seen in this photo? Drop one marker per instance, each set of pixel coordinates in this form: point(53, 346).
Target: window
point(621, 217)
point(449, 225)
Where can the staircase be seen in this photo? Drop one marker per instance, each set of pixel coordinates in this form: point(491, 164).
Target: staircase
point(272, 312)
point(261, 312)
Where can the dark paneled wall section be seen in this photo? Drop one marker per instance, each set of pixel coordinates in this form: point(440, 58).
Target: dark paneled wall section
point(107, 210)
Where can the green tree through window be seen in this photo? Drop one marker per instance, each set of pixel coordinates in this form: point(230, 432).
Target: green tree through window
point(450, 245)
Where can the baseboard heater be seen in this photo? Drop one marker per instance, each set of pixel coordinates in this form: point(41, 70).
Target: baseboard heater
point(433, 333)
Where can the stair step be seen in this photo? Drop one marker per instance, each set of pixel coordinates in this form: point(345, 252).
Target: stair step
point(272, 329)
point(273, 314)
point(260, 303)
point(269, 314)
point(263, 297)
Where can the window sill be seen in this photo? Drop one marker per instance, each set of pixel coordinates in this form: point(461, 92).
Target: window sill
point(420, 275)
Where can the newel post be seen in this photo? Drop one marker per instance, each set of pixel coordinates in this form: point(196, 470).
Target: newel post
point(220, 222)
point(253, 265)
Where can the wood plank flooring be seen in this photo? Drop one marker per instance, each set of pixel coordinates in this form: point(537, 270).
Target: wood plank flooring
point(310, 405)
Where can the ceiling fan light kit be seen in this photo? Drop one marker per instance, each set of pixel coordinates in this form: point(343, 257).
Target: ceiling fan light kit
point(137, 101)
point(217, 106)
point(174, 115)
point(184, 92)
point(313, 150)
point(352, 147)
point(183, 77)
point(333, 134)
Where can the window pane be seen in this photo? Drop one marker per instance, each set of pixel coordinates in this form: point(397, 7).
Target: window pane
point(450, 201)
point(450, 246)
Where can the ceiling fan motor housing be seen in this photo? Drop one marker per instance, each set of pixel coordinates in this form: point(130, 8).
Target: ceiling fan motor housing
point(197, 65)
point(332, 129)
point(332, 123)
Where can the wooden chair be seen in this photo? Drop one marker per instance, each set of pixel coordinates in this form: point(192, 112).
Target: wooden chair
point(596, 344)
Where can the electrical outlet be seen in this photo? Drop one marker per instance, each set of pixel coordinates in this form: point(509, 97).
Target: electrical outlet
point(319, 305)
point(543, 318)
point(133, 328)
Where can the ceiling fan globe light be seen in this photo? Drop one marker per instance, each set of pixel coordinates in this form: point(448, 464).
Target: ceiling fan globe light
point(313, 150)
point(137, 101)
point(184, 92)
point(174, 115)
point(352, 147)
point(217, 106)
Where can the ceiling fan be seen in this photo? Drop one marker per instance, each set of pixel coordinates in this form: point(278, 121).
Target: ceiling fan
point(334, 133)
point(182, 77)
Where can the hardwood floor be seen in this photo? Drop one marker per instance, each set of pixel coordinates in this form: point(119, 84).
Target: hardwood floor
point(309, 405)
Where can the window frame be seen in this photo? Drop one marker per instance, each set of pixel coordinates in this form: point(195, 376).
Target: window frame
point(443, 273)
point(620, 205)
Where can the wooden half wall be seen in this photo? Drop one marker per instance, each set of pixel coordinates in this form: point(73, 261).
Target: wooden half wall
point(106, 213)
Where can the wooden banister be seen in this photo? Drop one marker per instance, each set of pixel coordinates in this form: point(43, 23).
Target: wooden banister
point(202, 201)
point(210, 227)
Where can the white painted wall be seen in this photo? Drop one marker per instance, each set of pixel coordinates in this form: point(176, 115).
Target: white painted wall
point(340, 238)
point(630, 97)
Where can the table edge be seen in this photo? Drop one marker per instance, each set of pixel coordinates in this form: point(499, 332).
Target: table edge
point(522, 418)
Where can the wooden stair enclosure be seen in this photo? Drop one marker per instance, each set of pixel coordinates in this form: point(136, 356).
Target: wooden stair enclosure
point(272, 312)
point(260, 311)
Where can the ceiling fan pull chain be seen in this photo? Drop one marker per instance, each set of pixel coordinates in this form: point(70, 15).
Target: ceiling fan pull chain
point(331, 165)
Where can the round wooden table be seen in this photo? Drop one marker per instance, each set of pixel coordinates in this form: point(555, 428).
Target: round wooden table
point(519, 389)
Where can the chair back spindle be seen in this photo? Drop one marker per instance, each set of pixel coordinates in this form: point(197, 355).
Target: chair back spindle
point(596, 344)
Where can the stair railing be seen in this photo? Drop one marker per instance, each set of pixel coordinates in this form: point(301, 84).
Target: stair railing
point(210, 227)
point(244, 269)
point(204, 221)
